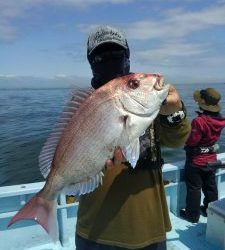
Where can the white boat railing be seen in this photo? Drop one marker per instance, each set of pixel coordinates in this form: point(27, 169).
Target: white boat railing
point(29, 235)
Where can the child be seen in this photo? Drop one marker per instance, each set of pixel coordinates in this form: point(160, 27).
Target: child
point(206, 130)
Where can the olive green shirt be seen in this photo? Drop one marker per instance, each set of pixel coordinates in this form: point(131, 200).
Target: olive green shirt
point(129, 209)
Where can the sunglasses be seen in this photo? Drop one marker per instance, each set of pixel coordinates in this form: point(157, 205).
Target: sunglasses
point(105, 56)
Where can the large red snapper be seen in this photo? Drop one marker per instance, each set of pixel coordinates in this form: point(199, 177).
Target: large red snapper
point(90, 128)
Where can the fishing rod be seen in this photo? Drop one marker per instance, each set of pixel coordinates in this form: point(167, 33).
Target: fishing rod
point(216, 164)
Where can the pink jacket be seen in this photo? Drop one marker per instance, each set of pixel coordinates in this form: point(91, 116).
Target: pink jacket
point(206, 130)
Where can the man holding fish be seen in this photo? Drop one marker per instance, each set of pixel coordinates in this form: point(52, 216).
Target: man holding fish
point(106, 149)
point(129, 210)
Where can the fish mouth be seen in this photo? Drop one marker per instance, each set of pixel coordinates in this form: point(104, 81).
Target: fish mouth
point(159, 83)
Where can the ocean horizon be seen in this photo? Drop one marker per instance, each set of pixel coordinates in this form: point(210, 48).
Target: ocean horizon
point(86, 85)
point(28, 115)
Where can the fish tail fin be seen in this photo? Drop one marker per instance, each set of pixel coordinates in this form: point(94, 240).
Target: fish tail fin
point(41, 210)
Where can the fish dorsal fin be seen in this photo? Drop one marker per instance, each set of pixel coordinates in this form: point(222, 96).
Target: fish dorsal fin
point(48, 150)
point(132, 152)
point(84, 187)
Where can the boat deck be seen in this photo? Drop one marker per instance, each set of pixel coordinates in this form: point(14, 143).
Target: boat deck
point(27, 235)
point(186, 235)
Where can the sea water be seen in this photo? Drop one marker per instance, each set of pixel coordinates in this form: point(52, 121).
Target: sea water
point(27, 116)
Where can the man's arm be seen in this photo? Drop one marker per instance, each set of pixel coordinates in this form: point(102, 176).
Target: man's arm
point(174, 127)
point(171, 135)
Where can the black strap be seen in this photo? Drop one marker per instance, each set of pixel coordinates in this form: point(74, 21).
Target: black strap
point(202, 150)
point(150, 155)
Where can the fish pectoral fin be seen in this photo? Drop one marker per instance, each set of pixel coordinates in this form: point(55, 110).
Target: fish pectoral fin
point(42, 211)
point(86, 186)
point(132, 152)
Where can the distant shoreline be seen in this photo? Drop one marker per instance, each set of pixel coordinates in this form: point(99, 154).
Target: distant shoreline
point(47, 88)
point(72, 87)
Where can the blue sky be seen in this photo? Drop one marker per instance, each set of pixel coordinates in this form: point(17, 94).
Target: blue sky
point(45, 40)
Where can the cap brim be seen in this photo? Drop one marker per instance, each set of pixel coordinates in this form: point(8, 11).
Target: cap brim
point(107, 41)
point(211, 108)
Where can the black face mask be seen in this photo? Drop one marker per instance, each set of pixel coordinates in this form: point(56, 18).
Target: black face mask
point(108, 65)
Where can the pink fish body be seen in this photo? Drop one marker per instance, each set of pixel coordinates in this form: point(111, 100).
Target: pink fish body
point(91, 126)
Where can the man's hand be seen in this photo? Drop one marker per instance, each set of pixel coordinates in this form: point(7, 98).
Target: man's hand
point(117, 158)
point(172, 103)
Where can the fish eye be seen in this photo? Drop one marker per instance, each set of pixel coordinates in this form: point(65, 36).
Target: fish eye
point(134, 83)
